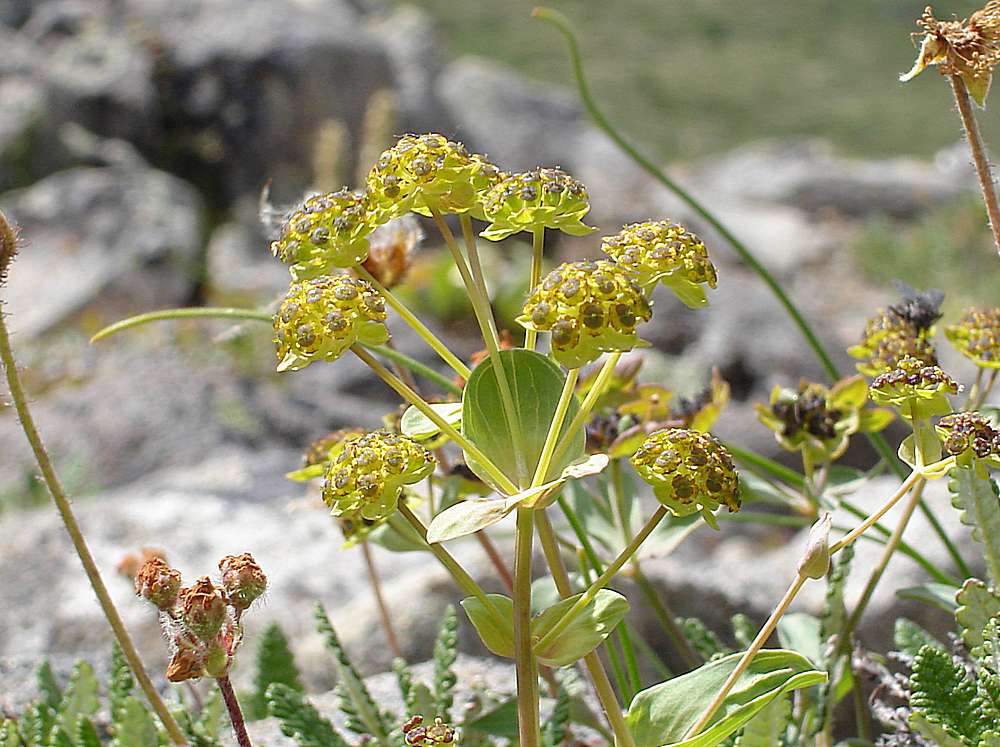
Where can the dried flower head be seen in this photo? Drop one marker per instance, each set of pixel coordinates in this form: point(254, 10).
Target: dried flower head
point(977, 336)
point(242, 579)
point(369, 473)
point(663, 251)
point(548, 198)
point(423, 173)
point(321, 318)
point(187, 663)
point(590, 308)
point(390, 250)
point(203, 608)
point(415, 734)
point(689, 472)
point(969, 431)
point(965, 48)
point(903, 330)
point(916, 390)
point(8, 246)
point(326, 232)
point(130, 563)
point(158, 583)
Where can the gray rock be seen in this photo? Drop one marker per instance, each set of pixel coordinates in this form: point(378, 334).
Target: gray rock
point(241, 267)
point(22, 116)
point(98, 237)
point(521, 124)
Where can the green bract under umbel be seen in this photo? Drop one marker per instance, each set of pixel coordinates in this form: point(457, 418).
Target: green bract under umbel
point(327, 232)
point(367, 476)
point(590, 308)
point(819, 421)
point(321, 318)
point(689, 472)
point(542, 198)
point(889, 338)
point(428, 173)
point(665, 252)
point(977, 336)
point(916, 390)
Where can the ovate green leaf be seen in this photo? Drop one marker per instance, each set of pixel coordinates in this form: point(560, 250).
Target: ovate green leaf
point(495, 625)
point(585, 633)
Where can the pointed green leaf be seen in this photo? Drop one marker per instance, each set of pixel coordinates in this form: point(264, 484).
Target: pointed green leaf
point(466, 517)
point(418, 426)
point(941, 596)
point(86, 734)
point(585, 633)
point(800, 632)
point(767, 728)
point(977, 604)
point(47, 686)
point(495, 626)
point(136, 727)
point(80, 698)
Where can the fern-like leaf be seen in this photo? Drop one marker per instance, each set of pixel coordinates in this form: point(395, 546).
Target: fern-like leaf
point(9, 736)
point(300, 720)
point(80, 697)
point(744, 630)
point(909, 638)
point(36, 724)
point(275, 663)
point(86, 734)
point(702, 640)
point(120, 685)
point(445, 652)
point(977, 605)
point(60, 737)
point(136, 727)
point(363, 716)
point(975, 495)
point(47, 685)
point(943, 695)
point(557, 725)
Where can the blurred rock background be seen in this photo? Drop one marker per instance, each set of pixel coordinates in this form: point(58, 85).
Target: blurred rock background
point(136, 137)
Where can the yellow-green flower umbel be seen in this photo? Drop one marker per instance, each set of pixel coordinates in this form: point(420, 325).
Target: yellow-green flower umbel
point(327, 231)
point(425, 173)
point(969, 434)
point(916, 390)
point(368, 475)
point(665, 252)
point(590, 308)
point(689, 472)
point(977, 336)
point(548, 198)
point(819, 421)
point(903, 330)
point(322, 317)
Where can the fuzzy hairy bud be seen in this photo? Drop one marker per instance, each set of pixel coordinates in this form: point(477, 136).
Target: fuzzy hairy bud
point(689, 471)
point(158, 583)
point(320, 318)
point(242, 579)
point(203, 608)
point(390, 250)
point(368, 475)
point(548, 198)
point(665, 252)
point(590, 307)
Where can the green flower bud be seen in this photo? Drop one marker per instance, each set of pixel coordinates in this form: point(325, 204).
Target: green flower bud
point(916, 390)
point(969, 432)
point(689, 472)
point(368, 475)
point(543, 197)
point(203, 609)
point(242, 579)
point(590, 308)
point(328, 231)
point(322, 317)
point(666, 252)
point(422, 173)
point(977, 336)
point(216, 660)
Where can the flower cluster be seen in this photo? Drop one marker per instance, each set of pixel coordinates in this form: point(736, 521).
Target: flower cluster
point(321, 318)
point(903, 330)
point(367, 476)
point(326, 232)
point(415, 734)
point(543, 197)
point(915, 389)
point(689, 471)
point(201, 622)
point(663, 251)
point(969, 431)
point(589, 307)
point(977, 336)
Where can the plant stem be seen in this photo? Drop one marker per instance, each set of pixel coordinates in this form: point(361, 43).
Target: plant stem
point(65, 509)
point(524, 657)
point(415, 324)
point(979, 157)
point(383, 611)
point(555, 428)
point(537, 250)
point(598, 675)
point(874, 517)
point(475, 263)
point(462, 578)
point(744, 662)
point(484, 316)
point(447, 428)
point(235, 714)
point(586, 407)
point(604, 579)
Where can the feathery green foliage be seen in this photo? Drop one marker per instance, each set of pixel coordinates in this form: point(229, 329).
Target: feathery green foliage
point(703, 640)
point(445, 652)
point(944, 696)
point(976, 497)
point(275, 663)
point(300, 720)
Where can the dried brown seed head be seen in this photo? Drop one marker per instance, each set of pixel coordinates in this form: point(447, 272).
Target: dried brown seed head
point(158, 583)
point(243, 580)
point(203, 608)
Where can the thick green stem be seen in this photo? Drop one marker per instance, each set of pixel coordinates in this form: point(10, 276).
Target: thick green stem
point(65, 509)
point(598, 675)
point(604, 579)
point(524, 657)
point(555, 427)
point(537, 250)
point(447, 428)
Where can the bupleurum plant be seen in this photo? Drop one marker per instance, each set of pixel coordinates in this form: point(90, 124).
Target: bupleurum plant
point(602, 471)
